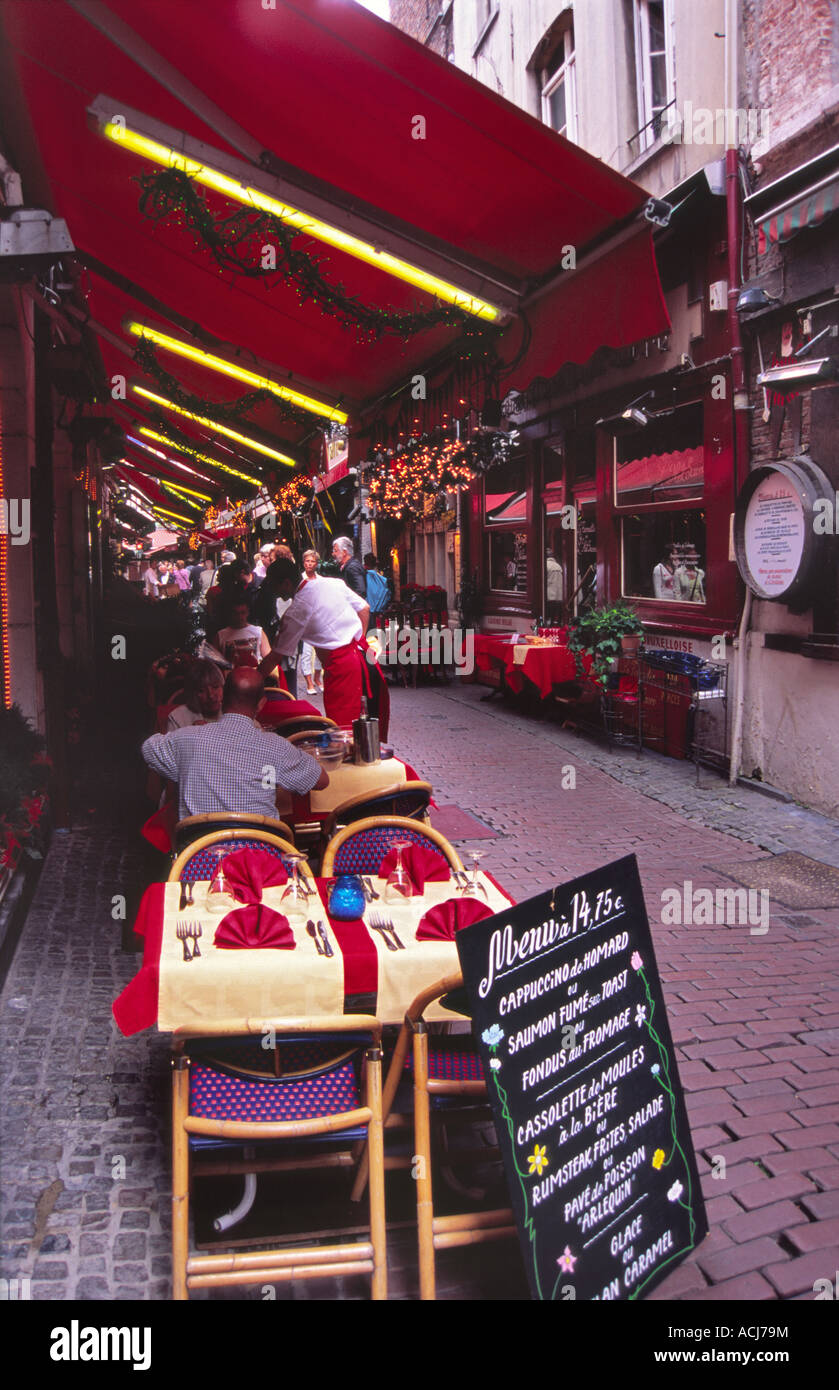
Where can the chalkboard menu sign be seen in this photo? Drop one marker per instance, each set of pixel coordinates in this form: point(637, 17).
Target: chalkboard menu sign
point(568, 1012)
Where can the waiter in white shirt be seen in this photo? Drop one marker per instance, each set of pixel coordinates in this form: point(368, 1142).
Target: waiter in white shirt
point(334, 619)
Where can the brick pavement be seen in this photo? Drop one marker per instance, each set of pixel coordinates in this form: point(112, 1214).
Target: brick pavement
point(755, 1020)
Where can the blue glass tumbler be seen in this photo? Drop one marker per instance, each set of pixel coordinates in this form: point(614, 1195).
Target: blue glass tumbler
point(347, 899)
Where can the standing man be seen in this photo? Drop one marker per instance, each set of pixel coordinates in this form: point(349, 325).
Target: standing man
point(151, 583)
point(378, 589)
point(333, 617)
point(353, 572)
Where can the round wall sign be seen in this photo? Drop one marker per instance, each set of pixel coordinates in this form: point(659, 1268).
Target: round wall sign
point(778, 551)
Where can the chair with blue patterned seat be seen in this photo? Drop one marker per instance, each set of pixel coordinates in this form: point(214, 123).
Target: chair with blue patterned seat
point(323, 1093)
point(198, 861)
point(440, 1075)
point(360, 847)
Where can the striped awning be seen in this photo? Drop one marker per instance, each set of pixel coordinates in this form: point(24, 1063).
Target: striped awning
point(808, 209)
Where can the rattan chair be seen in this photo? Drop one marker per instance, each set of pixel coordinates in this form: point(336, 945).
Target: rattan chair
point(199, 860)
point(305, 724)
point(445, 1074)
point(361, 847)
point(408, 799)
point(192, 828)
point(324, 1093)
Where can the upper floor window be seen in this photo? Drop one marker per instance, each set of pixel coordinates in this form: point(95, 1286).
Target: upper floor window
point(559, 86)
point(653, 69)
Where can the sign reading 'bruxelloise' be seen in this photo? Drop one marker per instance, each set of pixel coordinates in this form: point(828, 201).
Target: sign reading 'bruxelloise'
point(567, 1006)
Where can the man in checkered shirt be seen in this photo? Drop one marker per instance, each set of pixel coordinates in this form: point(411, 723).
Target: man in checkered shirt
point(234, 764)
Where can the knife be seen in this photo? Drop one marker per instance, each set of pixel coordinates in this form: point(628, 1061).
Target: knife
point(182, 903)
point(325, 939)
point(310, 928)
point(373, 893)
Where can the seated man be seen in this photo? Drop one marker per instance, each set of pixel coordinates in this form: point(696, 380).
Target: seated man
point(203, 689)
point(233, 765)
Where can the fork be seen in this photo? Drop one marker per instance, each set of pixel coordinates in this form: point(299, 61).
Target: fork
point(374, 921)
point(193, 933)
point(183, 933)
point(384, 924)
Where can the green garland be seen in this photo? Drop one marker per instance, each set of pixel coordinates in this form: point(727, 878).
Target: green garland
point(235, 241)
point(232, 413)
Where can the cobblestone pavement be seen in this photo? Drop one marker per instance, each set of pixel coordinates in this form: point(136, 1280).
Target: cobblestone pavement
point(755, 1019)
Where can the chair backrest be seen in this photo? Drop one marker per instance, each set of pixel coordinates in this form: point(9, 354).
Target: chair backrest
point(192, 828)
point(408, 799)
point(199, 860)
point(360, 848)
point(275, 693)
point(305, 724)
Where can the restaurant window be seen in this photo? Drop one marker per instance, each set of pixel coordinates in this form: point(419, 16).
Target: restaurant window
point(663, 556)
point(558, 79)
point(654, 75)
point(662, 461)
point(505, 494)
point(508, 561)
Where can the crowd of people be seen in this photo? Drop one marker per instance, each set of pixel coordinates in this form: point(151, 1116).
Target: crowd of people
point(261, 619)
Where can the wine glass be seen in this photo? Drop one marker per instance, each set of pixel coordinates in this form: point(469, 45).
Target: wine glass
point(219, 899)
point(398, 885)
point(473, 888)
point(295, 894)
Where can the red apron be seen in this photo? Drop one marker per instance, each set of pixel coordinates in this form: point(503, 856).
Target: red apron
point(347, 676)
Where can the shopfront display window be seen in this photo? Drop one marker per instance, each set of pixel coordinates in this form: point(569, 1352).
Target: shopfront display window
point(508, 561)
point(663, 461)
point(664, 556)
point(505, 495)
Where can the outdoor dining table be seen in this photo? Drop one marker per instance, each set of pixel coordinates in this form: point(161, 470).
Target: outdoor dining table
point(347, 780)
point(543, 665)
point(363, 974)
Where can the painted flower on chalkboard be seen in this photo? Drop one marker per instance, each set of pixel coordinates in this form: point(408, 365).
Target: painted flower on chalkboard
point(492, 1036)
point(537, 1160)
point(655, 1069)
point(567, 1261)
point(641, 1014)
point(674, 1192)
point(658, 1158)
point(636, 961)
point(495, 1063)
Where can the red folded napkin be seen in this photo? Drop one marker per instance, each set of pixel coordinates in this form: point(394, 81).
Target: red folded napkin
point(254, 926)
point(248, 871)
point(421, 865)
point(441, 922)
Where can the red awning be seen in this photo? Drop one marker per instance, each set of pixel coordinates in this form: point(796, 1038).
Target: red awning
point(332, 90)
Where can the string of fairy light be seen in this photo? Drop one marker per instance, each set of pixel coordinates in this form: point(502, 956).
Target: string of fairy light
point(402, 479)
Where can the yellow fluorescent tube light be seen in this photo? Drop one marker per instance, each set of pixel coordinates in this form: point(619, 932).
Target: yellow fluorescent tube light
point(220, 364)
point(187, 492)
point(176, 515)
point(222, 429)
point(312, 226)
point(180, 499)
point(204, 458)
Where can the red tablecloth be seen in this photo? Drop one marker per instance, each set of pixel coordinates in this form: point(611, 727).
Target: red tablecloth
point(136, 1007)
point(275, 712)
point(545, 667)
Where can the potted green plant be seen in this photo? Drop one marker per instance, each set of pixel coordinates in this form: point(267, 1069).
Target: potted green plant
point(604, 633)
